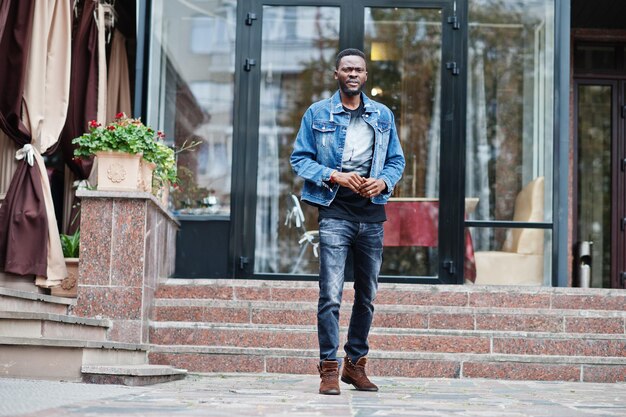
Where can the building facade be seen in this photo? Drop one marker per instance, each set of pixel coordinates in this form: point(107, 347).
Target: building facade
point(510, 113)
point(481, 93)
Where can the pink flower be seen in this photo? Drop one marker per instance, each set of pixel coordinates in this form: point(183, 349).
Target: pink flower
point(161, 134)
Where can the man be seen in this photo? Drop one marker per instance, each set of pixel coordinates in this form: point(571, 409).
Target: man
point(349, 153)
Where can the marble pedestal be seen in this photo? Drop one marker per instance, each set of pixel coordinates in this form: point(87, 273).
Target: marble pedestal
point(127, 243)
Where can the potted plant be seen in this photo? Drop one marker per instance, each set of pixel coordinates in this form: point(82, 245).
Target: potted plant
point(119, 147)
point(71, 247)
point(164, 159)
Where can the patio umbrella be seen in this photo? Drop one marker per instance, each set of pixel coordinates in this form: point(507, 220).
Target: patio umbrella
point(23, 220)
point(83, 100)
point(46, 96)
point(88, 85)
point(118, 96)
point(34, 81)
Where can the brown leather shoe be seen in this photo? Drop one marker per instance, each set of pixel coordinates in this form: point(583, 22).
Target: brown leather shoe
point(354, 373)
point(329, 372)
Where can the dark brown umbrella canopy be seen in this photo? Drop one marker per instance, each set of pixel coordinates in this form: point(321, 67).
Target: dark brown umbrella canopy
point(83, 103)
point(23, 221)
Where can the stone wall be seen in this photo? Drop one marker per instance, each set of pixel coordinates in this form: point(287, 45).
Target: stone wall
point(128, 242)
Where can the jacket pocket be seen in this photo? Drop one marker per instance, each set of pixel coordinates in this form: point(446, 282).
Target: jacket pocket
point(383, 126)
point(324, 132)
point(383, 129)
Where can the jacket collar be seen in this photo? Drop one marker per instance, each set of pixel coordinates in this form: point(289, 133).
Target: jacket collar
point(337, 107)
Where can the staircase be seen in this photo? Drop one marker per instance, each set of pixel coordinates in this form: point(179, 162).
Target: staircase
point(39, 340)
point(555, 334)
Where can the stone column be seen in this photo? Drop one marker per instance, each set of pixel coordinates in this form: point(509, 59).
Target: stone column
point(127, 242)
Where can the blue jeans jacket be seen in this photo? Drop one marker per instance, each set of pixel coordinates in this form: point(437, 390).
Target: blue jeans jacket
point(321, 139)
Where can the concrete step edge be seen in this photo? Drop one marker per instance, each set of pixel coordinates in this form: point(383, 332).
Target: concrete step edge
point(387, 331)
point(308, 284)
point(70, 343)
point(133, 370)
point(60, 318)
point(373, 354)
point(8, 292)
point(387, 308)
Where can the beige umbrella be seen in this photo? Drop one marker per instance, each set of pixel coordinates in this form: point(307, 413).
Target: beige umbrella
point(46, 97)
point(118, 96)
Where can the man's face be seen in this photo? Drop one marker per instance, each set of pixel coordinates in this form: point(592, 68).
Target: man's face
point(351, 75)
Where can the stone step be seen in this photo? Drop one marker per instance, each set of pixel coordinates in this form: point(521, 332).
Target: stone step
point(53, 326)
point(588, 299)
point(396, 316)
point(569, 334)
point(406, 364)
point(131, 375)
point(25, 301)
point(387, 339)
point(62, 359)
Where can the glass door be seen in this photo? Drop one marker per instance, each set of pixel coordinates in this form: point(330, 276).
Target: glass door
point(601, 161)
point(298, 47)
point(414, 64)
point(619, 279)
point(404, 50)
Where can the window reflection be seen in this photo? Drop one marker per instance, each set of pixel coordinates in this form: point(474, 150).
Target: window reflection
point(594, 177)
point(191, 90)
point(404, 50)
point(523, 259)
point(510, 105)
point(299, 45)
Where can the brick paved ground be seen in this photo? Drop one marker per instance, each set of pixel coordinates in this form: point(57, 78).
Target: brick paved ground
point(232, 395)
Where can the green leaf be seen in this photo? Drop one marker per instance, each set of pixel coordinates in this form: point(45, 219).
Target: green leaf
point(71, 245)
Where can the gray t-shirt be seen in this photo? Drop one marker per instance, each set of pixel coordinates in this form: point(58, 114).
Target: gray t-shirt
point(359, 145)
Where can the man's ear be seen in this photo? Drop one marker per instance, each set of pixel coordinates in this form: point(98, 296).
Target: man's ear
point(336, 75)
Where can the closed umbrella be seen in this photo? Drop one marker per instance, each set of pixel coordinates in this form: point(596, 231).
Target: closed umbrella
point(35, 83)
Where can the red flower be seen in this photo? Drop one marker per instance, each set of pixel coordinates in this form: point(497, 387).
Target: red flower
point(94, 124)
point(120, 115)
point(110, 127)
point(161, 134)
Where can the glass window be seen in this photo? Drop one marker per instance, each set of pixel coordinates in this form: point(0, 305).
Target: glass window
point(594, 177)
point(524, 258)
point(510, 102)
point(191, 96)
point(403, 46)
point(298, 49)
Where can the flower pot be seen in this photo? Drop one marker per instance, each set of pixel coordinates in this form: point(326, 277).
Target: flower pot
point(145, 179)
point(69, 285)
point(118, 171)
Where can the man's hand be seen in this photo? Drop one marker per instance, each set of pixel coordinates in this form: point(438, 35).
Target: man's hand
point(350, 180)
point(371, 187)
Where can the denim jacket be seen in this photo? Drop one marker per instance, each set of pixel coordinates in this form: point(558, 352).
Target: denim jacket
point(318, 149)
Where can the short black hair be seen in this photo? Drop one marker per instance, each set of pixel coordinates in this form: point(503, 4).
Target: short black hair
point(348, 52)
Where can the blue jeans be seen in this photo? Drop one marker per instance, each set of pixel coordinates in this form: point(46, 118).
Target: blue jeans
point(366, 241)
